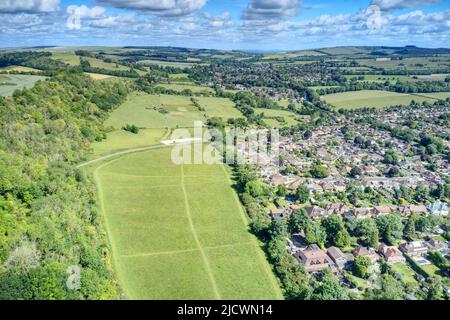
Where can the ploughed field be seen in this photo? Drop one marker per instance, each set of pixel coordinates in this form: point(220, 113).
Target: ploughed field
point(179, 231)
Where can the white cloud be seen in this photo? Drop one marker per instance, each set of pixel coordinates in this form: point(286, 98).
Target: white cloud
point(159, 7)
point(402, 4)
point(271, 9)
point(29, 6)
point(85, 12)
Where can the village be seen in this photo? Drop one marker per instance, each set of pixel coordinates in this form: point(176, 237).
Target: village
point(357, 172)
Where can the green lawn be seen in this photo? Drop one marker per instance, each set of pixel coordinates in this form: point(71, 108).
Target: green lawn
point(371, 98)
point(121, 140)
point(179, 232)
point(10, 82)
point(407, 274)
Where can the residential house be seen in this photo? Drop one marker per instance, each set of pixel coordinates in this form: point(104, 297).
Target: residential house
point(278, 214)
point(414, 248)
point(336, 208)
point(391, 254)
point(313, 258)
point(315, 212)
point(342, 260)
point(437, 245)
point(381, 211)
point(363, 212)
point(439, 208)
point(366, 252)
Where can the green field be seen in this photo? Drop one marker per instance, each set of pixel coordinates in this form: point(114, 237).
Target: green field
point(169, 63)
point(405, 272)
point(290, 118)
point(436, 95)
point(120, 140)
point(179, 232)
point(11, 82)
point(66, 57)
point(181, 86)
point(382, 78)
point(139, 110)
point(372, 99)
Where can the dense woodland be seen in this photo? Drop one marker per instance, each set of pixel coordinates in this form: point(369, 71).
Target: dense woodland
point(48, 218)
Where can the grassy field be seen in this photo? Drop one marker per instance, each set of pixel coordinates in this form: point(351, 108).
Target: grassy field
point(405, 272)
point(181, 86)
point(382, 78)
point(169, 64)
point(67, 57)
point(179, 232)
point(290, 118)
point(121, 140)
point(96, 63)
point(436, 95)
point(139, 109)
point(10, 82)
point(98, 76)
point(371, 98)
point(19, 69)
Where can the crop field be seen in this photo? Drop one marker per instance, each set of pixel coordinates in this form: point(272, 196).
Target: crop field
point(414, 63)
point(289, 117)
point(19, 69)
point(372, 99)
point(10, 82)
point(179, 232)
point(146, 111)
point(121, 140)
point(98, 76)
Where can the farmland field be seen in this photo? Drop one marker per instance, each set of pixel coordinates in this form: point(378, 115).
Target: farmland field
point(179, 232)
point(371, 98)
point(10, 82)
point(290, 118)
point(143, 110)
point(436, 95)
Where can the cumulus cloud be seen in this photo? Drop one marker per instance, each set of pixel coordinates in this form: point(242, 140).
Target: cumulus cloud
point(84, 12)
point(271, 9)
point(218, 21)
point(402, 4)
point(28, 6)
point(159, 7)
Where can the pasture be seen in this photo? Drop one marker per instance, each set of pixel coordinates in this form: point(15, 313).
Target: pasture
point(179, 232)
point(168, 111)
point(120, 140)
point(187, 86)
point(270, 115)
point(371, 99)
point(11, 82)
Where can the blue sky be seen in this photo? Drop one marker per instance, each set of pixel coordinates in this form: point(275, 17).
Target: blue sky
point(225, 24)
